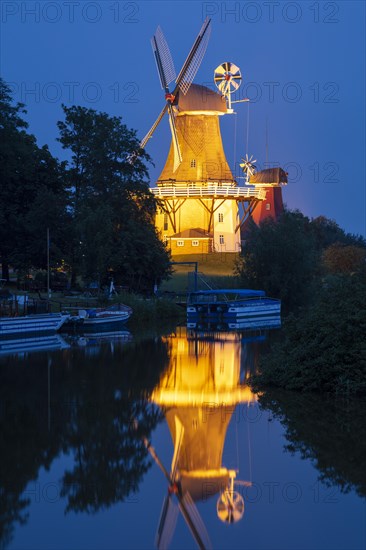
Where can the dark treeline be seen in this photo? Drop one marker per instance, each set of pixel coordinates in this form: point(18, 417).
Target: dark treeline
point(319, 272)
point(97, 206)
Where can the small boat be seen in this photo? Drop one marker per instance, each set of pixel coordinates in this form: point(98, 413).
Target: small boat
point(99, 318)
point(28, 324)
point(232, 306)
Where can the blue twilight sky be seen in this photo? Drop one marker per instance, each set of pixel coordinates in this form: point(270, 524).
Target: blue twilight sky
point(303, 67)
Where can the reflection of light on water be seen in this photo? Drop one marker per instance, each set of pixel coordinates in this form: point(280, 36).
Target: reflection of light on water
point(200, 389)
point(203, 371)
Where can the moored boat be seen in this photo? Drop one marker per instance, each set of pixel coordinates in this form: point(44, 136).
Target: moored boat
point(232, 305)
point(99, 318)
point(28, 324)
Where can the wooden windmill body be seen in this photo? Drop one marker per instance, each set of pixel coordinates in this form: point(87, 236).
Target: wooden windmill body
point(198, 200)
point(197, 213)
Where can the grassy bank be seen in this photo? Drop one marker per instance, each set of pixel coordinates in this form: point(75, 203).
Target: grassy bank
point(215, 269)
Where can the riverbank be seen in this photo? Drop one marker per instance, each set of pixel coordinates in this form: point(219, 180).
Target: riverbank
point(323, 347)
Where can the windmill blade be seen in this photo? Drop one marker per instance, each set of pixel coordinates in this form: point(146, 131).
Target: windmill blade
point(177, 152)
point(233, 68)
point(153, 127)
point(194, 521)
point(163, 59)
point(167, 523)
point(220, 69)
point(151, 450)
point(193, 61)
point(179, 434)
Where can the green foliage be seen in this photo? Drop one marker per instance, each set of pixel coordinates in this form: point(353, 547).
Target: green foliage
point(284, 257)
point(32, 194)
point(113, 209)
point(324, 348)
point(150, 310)
point(279, 257)
point(343, 258)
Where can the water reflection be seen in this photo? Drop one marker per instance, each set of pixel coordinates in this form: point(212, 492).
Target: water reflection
point(199, 391)
point(329, 432)
point(90, 406)
point(81, 404)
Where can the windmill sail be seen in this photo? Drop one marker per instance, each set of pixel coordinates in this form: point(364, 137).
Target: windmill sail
point(194, 59)
point(166, 70)
point(161, 48)
point(167, 523)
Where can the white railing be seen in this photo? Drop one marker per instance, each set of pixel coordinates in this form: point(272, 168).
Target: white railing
point(209, 191)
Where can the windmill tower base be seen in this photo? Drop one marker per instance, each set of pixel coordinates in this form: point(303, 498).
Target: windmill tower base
point(271, 181)
point(271, 207)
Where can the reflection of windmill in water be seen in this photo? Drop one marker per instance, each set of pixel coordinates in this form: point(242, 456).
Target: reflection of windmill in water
point(200, 391)
point(198, 196)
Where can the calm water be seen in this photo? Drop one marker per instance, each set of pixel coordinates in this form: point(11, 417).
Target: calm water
point(75, 472)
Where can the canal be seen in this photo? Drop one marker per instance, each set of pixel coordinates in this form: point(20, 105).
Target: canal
point(86, 423)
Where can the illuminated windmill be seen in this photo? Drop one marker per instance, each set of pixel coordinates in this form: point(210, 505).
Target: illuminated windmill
point(199, 391)
point(197, 194)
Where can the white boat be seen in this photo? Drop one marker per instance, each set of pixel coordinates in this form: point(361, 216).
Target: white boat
point(232, 305)
point(13, 345)
point(98, 318)
point(28, 324)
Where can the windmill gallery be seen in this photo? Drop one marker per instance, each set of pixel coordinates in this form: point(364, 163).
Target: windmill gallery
point(201, 206)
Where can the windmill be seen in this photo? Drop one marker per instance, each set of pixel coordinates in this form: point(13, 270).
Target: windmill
point(227, 78)
point(166, 71)
point(197, 195)
point(186, 504)
point(230, 504)
point(248, 166)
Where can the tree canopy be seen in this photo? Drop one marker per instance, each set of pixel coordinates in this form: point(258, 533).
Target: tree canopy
point(113, 209)
point(97, 207)
point(288, 257)
point(32, 193)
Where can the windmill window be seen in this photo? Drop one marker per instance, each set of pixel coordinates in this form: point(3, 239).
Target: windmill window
point(193, 163)
point(180, 243)
point(268, 206)
point(222, 240)
point(221, 217)
point(165, 222)
point(194, 243)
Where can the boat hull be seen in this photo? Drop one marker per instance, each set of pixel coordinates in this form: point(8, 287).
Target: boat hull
point(233, 312)
point(32, 324)
point(101, 322)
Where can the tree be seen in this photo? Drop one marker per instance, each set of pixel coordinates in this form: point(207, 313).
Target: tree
point(112, 206)
point(323, 350)
point(342, 258)
point(280, 257)
point(32, 193)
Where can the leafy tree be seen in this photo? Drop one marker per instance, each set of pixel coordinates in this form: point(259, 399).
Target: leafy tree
point(280, 257)
point(112, 206)
point(289, 257)
point(328, 232)
point(32, 194)
point(324, 349)
point(342, 258)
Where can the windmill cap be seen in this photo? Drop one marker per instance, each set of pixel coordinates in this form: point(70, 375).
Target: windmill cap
point(200, 99)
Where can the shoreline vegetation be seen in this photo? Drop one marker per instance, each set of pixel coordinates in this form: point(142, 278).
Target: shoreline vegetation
point(319, 272)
